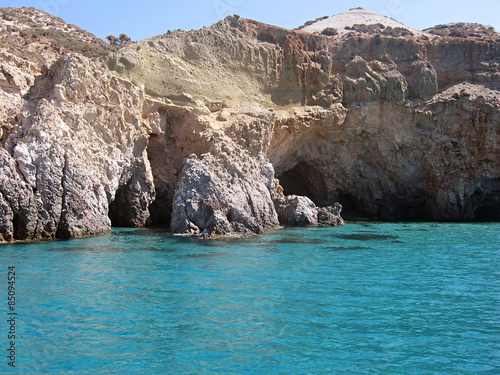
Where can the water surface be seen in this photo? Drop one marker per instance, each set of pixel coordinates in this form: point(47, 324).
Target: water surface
point(359, 299)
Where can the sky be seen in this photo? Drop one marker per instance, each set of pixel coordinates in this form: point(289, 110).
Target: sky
point(141, 19)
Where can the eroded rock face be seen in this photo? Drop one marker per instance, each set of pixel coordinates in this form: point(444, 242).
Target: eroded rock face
point(427, 160)
point(300, 211)
point(205, 203)
point(228, 188)
point(80, 136)
point(392, 128)
point(330, 216)
point(464, 30)
point(362, 83)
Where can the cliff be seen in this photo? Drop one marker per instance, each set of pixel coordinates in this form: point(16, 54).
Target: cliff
point(244, 126)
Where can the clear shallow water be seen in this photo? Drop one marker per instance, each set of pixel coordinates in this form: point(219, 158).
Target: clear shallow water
point(360, 299)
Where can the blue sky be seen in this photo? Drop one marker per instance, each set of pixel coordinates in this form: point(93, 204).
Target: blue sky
point(141, 19)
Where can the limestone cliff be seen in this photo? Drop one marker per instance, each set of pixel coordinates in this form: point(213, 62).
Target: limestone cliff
point(394, 128)
point(192, 128)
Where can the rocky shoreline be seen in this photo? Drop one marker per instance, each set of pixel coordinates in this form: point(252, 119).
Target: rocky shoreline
point(243, 126)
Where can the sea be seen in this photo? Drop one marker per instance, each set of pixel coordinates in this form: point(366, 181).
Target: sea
point(364, 298)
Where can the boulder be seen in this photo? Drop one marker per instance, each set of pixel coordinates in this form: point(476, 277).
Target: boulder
point(296, 210)
point(210, 201)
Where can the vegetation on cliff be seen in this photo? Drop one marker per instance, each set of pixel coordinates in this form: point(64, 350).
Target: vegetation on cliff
point(31, 32)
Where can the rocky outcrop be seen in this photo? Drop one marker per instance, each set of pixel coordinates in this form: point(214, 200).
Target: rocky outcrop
point(191, 129)
point(206, 203)
point(362, 83)
point(296, 210)
point(463, 30)
point(80, 138)
point(424, 160)
point(30, 42)
point(330, 216)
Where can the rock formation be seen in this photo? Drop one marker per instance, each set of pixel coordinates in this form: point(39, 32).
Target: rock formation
point(192, 128)
point(296, 210)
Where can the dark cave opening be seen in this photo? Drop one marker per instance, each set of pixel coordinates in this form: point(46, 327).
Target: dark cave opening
point(160, 158)
point(489, 211)
point(487, 200)
point(391, 209)
point(19, 227)
point(351, 207)
point(414, 206)
point(124, 211)
point(304, 179)
point(161, 208)
point(408, 205)
point(416, 210)
point(118, 209)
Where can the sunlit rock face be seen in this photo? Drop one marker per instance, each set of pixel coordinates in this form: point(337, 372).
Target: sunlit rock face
point(243, 126)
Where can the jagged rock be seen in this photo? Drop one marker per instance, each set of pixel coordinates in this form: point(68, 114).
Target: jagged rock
point(422, 80)
point(421, 167)
point(300, 211)
point(211, 200)
point(130, 207)
point(84, 208)
point(330, 216)
point(75, 136)
point(296, 211)
point(463, 30)
point(16, 202)
point(6, 221)
point(362, 83)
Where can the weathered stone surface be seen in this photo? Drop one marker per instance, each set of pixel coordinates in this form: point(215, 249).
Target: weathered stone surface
point(392, 127)
point(330, 216)
point(423, 80)
point(362, 83)
point(79, 129)
point(463, 30)
point(6, 221)
point(130, 207)
point(213, 199)
point(296, 211)
point(425, 161)
point(18, 202)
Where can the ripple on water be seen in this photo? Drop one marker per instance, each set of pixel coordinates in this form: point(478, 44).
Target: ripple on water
point(348, 248)
point(301, 240)
point(365, 237)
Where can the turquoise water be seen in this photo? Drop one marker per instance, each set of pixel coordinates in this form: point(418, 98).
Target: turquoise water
point(359, 299)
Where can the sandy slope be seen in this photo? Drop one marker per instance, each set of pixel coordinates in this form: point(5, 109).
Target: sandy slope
point(356, 16)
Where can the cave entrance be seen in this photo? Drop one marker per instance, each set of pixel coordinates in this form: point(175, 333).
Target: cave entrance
point(487, 198)
point(160, 159)
point(352, 209)
point(118, 209)
point(306, 180)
